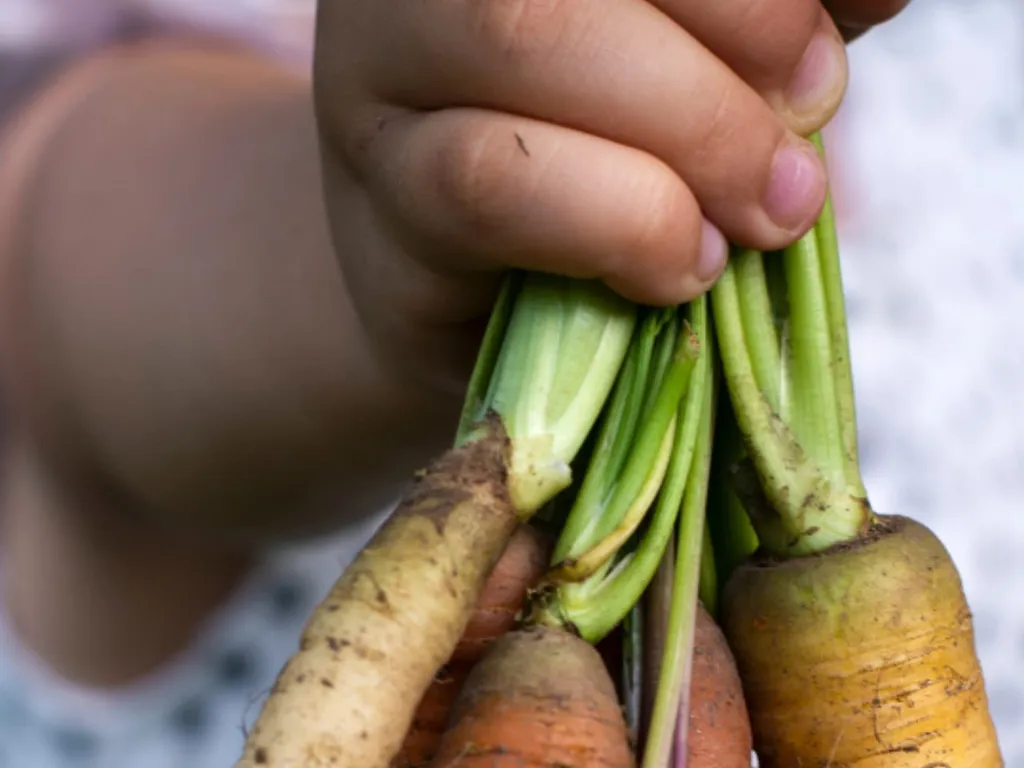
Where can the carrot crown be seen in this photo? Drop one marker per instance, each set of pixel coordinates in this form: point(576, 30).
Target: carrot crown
point(550, 356)
point(627, 505)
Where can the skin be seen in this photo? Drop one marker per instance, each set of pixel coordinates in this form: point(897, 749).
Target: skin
point(184, 364)
point(541, 698)
point(863, 657)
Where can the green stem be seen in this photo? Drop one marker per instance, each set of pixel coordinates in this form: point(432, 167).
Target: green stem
point(732, 534)
point(801, 440)
point(586, 565)
point(835, 302)
point(597, 605)
point(657, 602)
point(813, 413)
point(790, 478)
point(562, 344)
point(671, 703)
point(643, 372)
point(708, 591)
point(487, 358)
point(633, 632)
point(759, 324)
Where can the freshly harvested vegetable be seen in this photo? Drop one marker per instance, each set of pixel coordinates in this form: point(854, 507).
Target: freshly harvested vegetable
point(371, 649)
point(733, 538)
point(542, 695)
point(850, 629)
point(519, 570)
point(540, 698)
point(639, 472)
point(521, 565)
point(431, 718)
point(676, 733)
point(719, 726)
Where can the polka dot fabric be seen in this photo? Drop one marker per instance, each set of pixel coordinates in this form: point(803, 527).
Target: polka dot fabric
point(929, 166)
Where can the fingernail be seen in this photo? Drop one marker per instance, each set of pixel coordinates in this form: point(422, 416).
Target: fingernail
point(714, 251)
point(820, 77)
point(796, 186)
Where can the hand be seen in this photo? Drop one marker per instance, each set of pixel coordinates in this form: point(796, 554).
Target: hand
point(621, 140)
point(855, 17)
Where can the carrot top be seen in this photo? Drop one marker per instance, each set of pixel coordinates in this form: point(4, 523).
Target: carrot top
point(782, 336)
point(550, 356)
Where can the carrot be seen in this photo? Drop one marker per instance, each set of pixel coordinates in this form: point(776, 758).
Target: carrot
point(431, 718)
point(719, 725)
point(371, 649)
point(540, 698)
point(374, 644)
point(862, 657)
point(851, 630)
point(542, 695)
point(520, 567)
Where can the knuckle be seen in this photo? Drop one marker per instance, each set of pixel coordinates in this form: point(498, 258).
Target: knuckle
point(668, 212)
point(473, 180)
point(725, 123)
point(521, 29)
point(775, 34)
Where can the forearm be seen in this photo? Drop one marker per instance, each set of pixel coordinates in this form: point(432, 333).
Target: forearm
point(177, 321)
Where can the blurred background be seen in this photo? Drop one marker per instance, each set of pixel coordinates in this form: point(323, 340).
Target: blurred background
point(927, 157)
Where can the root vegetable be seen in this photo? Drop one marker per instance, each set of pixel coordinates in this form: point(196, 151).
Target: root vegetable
point(373, 646)
point(550, 357)
point(542, 695)
point(520, 567)
point(718, 722)
point(540, 698)
point(862, 657)
point(851, 631)
point(431, 718)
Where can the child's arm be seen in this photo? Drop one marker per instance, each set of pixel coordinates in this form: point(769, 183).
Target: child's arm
point(175, 319)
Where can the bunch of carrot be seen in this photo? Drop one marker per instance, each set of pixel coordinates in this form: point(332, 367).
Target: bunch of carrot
point(547, 592)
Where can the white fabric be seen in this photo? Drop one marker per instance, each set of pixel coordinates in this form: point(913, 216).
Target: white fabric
point(930, 165)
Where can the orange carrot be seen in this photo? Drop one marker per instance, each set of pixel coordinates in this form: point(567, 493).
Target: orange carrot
point(521, 566)
point(540, 698)
point(719, 725)
point(431, 718)
point(524, 562)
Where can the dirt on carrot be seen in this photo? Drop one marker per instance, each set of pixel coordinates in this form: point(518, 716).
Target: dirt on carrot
point(878, 633)
point(719, 724)
point(372, 648)
point(540, 698)
point(521, 566)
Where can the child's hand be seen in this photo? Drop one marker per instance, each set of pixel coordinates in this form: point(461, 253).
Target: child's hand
point(623, 140)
